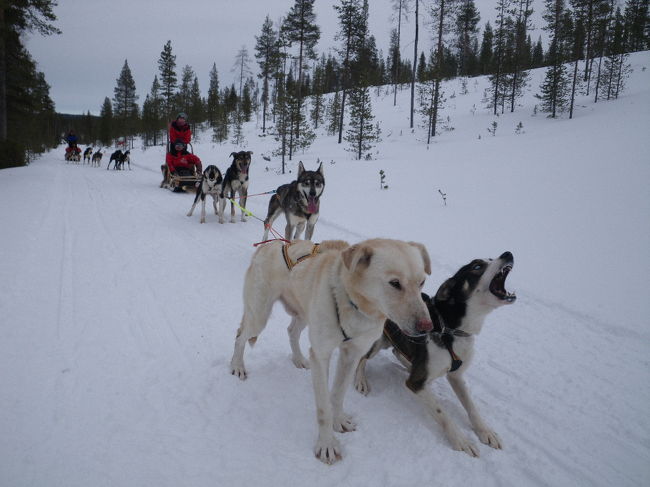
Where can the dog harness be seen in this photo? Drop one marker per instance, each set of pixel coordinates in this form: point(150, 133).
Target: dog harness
point(291, 264)
point(441, 336)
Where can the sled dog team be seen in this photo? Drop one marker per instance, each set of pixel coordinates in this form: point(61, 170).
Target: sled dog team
point(359, 299)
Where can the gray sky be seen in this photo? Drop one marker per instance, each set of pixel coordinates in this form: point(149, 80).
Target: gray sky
point(83, 63)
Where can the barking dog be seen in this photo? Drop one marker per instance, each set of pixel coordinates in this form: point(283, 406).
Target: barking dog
point(300, 202)
point(345, 294)
point(211, 184)
point(88, 154)
point(458, 312)
point(97, 158)
point(236, 181)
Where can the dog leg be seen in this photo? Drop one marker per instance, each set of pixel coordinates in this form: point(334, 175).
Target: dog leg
point(327, 448)
point(270, 218)
point(299, 228)
point(243, 196)
point(196, 199)
point(295, 329)
point(202, 208)
point(457, 439)
point(310, 229)
point(257, 309)
point(349, 356)
point(484, 432)
point(232, 207)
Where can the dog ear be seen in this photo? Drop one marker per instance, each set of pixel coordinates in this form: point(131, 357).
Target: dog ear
point(301, 168)
point(425, 256)
point(357, 256)
point(320, 169)
point(250, 153)
point(444, 291)
point(233, 154)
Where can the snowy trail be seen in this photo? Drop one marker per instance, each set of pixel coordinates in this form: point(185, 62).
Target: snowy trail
point(118, 313)
point(120, 369)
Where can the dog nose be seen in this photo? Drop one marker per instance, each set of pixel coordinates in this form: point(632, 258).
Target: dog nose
point(424, 326)
point(507, 256)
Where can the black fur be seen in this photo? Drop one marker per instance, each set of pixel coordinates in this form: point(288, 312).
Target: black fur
point(235, 181)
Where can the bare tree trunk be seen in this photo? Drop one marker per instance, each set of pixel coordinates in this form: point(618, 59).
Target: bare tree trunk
point(399, 33)
point(415, 60)
point(436, 91)
point(573, 88)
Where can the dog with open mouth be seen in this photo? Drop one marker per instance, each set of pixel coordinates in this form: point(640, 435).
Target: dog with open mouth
point(458, 312)
point(300, 203)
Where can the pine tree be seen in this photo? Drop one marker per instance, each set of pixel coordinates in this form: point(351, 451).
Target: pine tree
point(400, 9)
point(466, 30)
point(537, 59)
point(555, 88)
point(352, 31)
point(616, 68)
point(362, 134)
point(486, 55)
point(637, 25)
point(197, 104)
point(212, 105)
point(184, 95)
point(415, 60)
point(299, 27)
point(125, 107)
point(17, 18)
point(106, 123)
point(168, 79)
point(152, 113)
point(334, 114)
point(268, 59)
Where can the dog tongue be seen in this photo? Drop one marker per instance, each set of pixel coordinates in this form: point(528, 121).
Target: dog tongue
point(312, 205)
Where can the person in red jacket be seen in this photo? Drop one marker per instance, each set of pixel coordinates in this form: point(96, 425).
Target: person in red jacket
point(180, 129)
point(178, 158)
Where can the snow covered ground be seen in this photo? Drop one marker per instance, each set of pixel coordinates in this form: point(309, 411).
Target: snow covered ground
point(119, 312)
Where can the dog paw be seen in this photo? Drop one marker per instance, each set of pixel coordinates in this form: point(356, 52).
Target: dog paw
point(202, 220)
point(328, 451)
point(238, 371)
point(490, 438)
point(464, 444)
point(343, 423)
point(221, 220)
point(300, 362)
point(362, 386)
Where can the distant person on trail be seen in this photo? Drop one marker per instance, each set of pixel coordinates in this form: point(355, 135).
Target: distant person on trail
point(178, 158)
point(180, 129)
point(71, 139)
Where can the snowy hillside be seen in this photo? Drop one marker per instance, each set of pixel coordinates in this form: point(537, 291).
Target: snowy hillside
point(119, 312)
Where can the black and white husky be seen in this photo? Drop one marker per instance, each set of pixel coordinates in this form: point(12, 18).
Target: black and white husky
point(211, 184)
point(236, 181)
point(300, 203)
point(458, 311)
point(88, 154)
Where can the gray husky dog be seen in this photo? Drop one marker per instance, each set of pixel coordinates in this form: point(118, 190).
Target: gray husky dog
point(300, 203)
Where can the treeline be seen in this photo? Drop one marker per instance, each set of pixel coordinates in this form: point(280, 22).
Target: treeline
point(287, 93)
point(28, 122)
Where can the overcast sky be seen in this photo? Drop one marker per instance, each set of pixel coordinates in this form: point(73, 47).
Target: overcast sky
point(83, 63)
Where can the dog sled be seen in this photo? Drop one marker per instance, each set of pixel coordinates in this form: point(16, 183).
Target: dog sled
point(72, 154)
point(182, 178)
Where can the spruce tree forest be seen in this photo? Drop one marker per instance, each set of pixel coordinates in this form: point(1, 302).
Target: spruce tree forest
point(285, 79)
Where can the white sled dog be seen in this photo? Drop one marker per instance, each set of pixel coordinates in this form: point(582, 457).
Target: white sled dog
point(458, 311)
point(345, 294)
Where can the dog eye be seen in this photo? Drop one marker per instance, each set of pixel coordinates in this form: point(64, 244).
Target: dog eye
point(395, 283)
point(421, 284)
point(478, 267)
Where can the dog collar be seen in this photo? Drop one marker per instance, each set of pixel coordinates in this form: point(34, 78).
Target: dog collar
point(338, 315)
